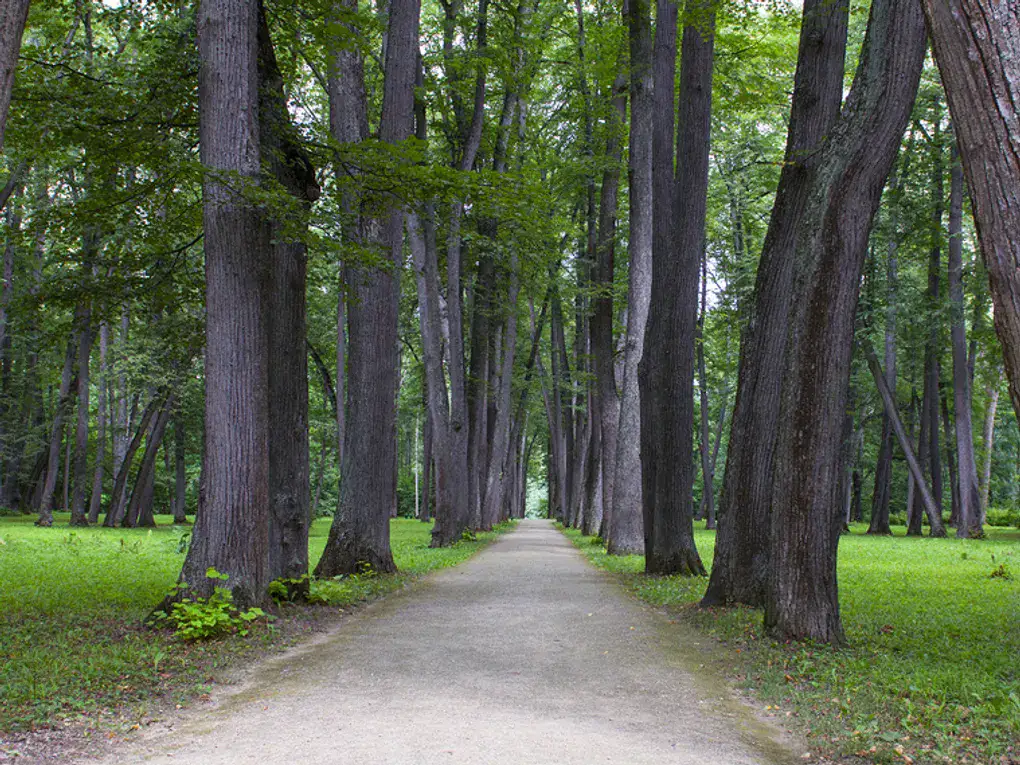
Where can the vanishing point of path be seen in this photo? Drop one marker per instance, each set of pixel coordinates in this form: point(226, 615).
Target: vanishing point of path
point(523, 655)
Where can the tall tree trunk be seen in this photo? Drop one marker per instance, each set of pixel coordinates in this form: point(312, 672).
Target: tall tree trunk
point(96, 497)
point(13, 15)
point(231, 532)
point(951, 466)
point(970, 493)
point(53, 461)
point(977, 47)
point(120, 420)
point(79, 513)
point(650, 172)
point(802, 600)
point(289, 477)
point(360, 533)
point(741, 564)
point(989, 444)
point(707, 468)
point(666, 374)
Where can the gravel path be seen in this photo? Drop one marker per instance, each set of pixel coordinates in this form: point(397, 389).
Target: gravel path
point(524, 655)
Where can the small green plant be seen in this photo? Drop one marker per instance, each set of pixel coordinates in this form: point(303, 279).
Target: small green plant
point(195, 619)
point(284, 590)
point(1002, 572)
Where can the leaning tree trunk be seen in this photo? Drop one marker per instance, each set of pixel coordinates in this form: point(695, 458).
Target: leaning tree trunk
point(970, 494)
point(977, 48)
point(802, 599)
point(139, 509)
point(666, 375)
point(360, 534)
point(119, 496)
point(231, 533)
point(13, 15)
point(289, 487)
point(740, 567)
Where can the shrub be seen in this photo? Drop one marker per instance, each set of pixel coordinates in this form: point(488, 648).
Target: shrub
point(1002, 516)
point(194, 619)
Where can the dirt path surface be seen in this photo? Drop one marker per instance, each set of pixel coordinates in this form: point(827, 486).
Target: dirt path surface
point(524, 655)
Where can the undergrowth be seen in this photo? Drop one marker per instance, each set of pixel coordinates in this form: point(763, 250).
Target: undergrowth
point(932, 672)
point(72, 602)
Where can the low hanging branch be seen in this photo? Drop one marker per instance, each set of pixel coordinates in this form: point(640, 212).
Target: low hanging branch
point(930, 508)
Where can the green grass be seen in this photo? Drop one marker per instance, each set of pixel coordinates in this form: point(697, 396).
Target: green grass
point(72, 601)
point(933, 666)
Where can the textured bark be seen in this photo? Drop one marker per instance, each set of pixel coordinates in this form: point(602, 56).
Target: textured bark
point(477, 388)
point(289, 470)
point(977, 47)
point(96, 497)
point(802, 599)
point(79, 512)
point(740, 568)
point(231, 532)
point(53, 459)
point(666, 371)
point(13, 15)
point(970, 494)
point(360, 534)
point(601, 321)
point(119, 497)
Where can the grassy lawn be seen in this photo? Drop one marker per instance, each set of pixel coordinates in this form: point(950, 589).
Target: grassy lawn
point(72, 601)
point(932, 674)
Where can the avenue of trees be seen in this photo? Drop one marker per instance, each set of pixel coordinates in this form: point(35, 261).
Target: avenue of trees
point(752, 262)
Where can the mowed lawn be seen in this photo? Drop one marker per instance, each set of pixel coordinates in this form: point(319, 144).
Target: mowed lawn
point(72, 603)
point(932, 672)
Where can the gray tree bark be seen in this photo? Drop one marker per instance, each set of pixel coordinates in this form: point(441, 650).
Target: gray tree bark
point(231, 532)
point(13, 15)
point(96, 497)
point(79, 512)
point(53, 460)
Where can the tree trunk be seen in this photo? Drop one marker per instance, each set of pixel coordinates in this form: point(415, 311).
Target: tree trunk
point(666, 374)
point(289, 487)
point(360, 534)
point(79, 513)
point(951, 467)
point(976, 45)
point(802, 600)
point(119, 497)
point(139, 510)
point(970, 493)
point(989, 444)
point(53, 462)
point(13, 15)
point(231, 532)
point(740, 568)
point(707, 468)
point(180, 472)
point(96, 497)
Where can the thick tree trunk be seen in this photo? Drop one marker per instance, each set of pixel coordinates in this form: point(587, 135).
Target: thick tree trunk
point(741, 564)
point(802, 600)
point(360, 534)
point(13, 15)
point(96, 497)
point(970, 493)
point(53, 461)
point(650, 171)
point(231, 532)
point(666, 374)
point(289, 477)
point(977, 48)
point(79, 512)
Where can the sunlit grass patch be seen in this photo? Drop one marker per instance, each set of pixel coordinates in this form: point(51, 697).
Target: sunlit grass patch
point(933, 665)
